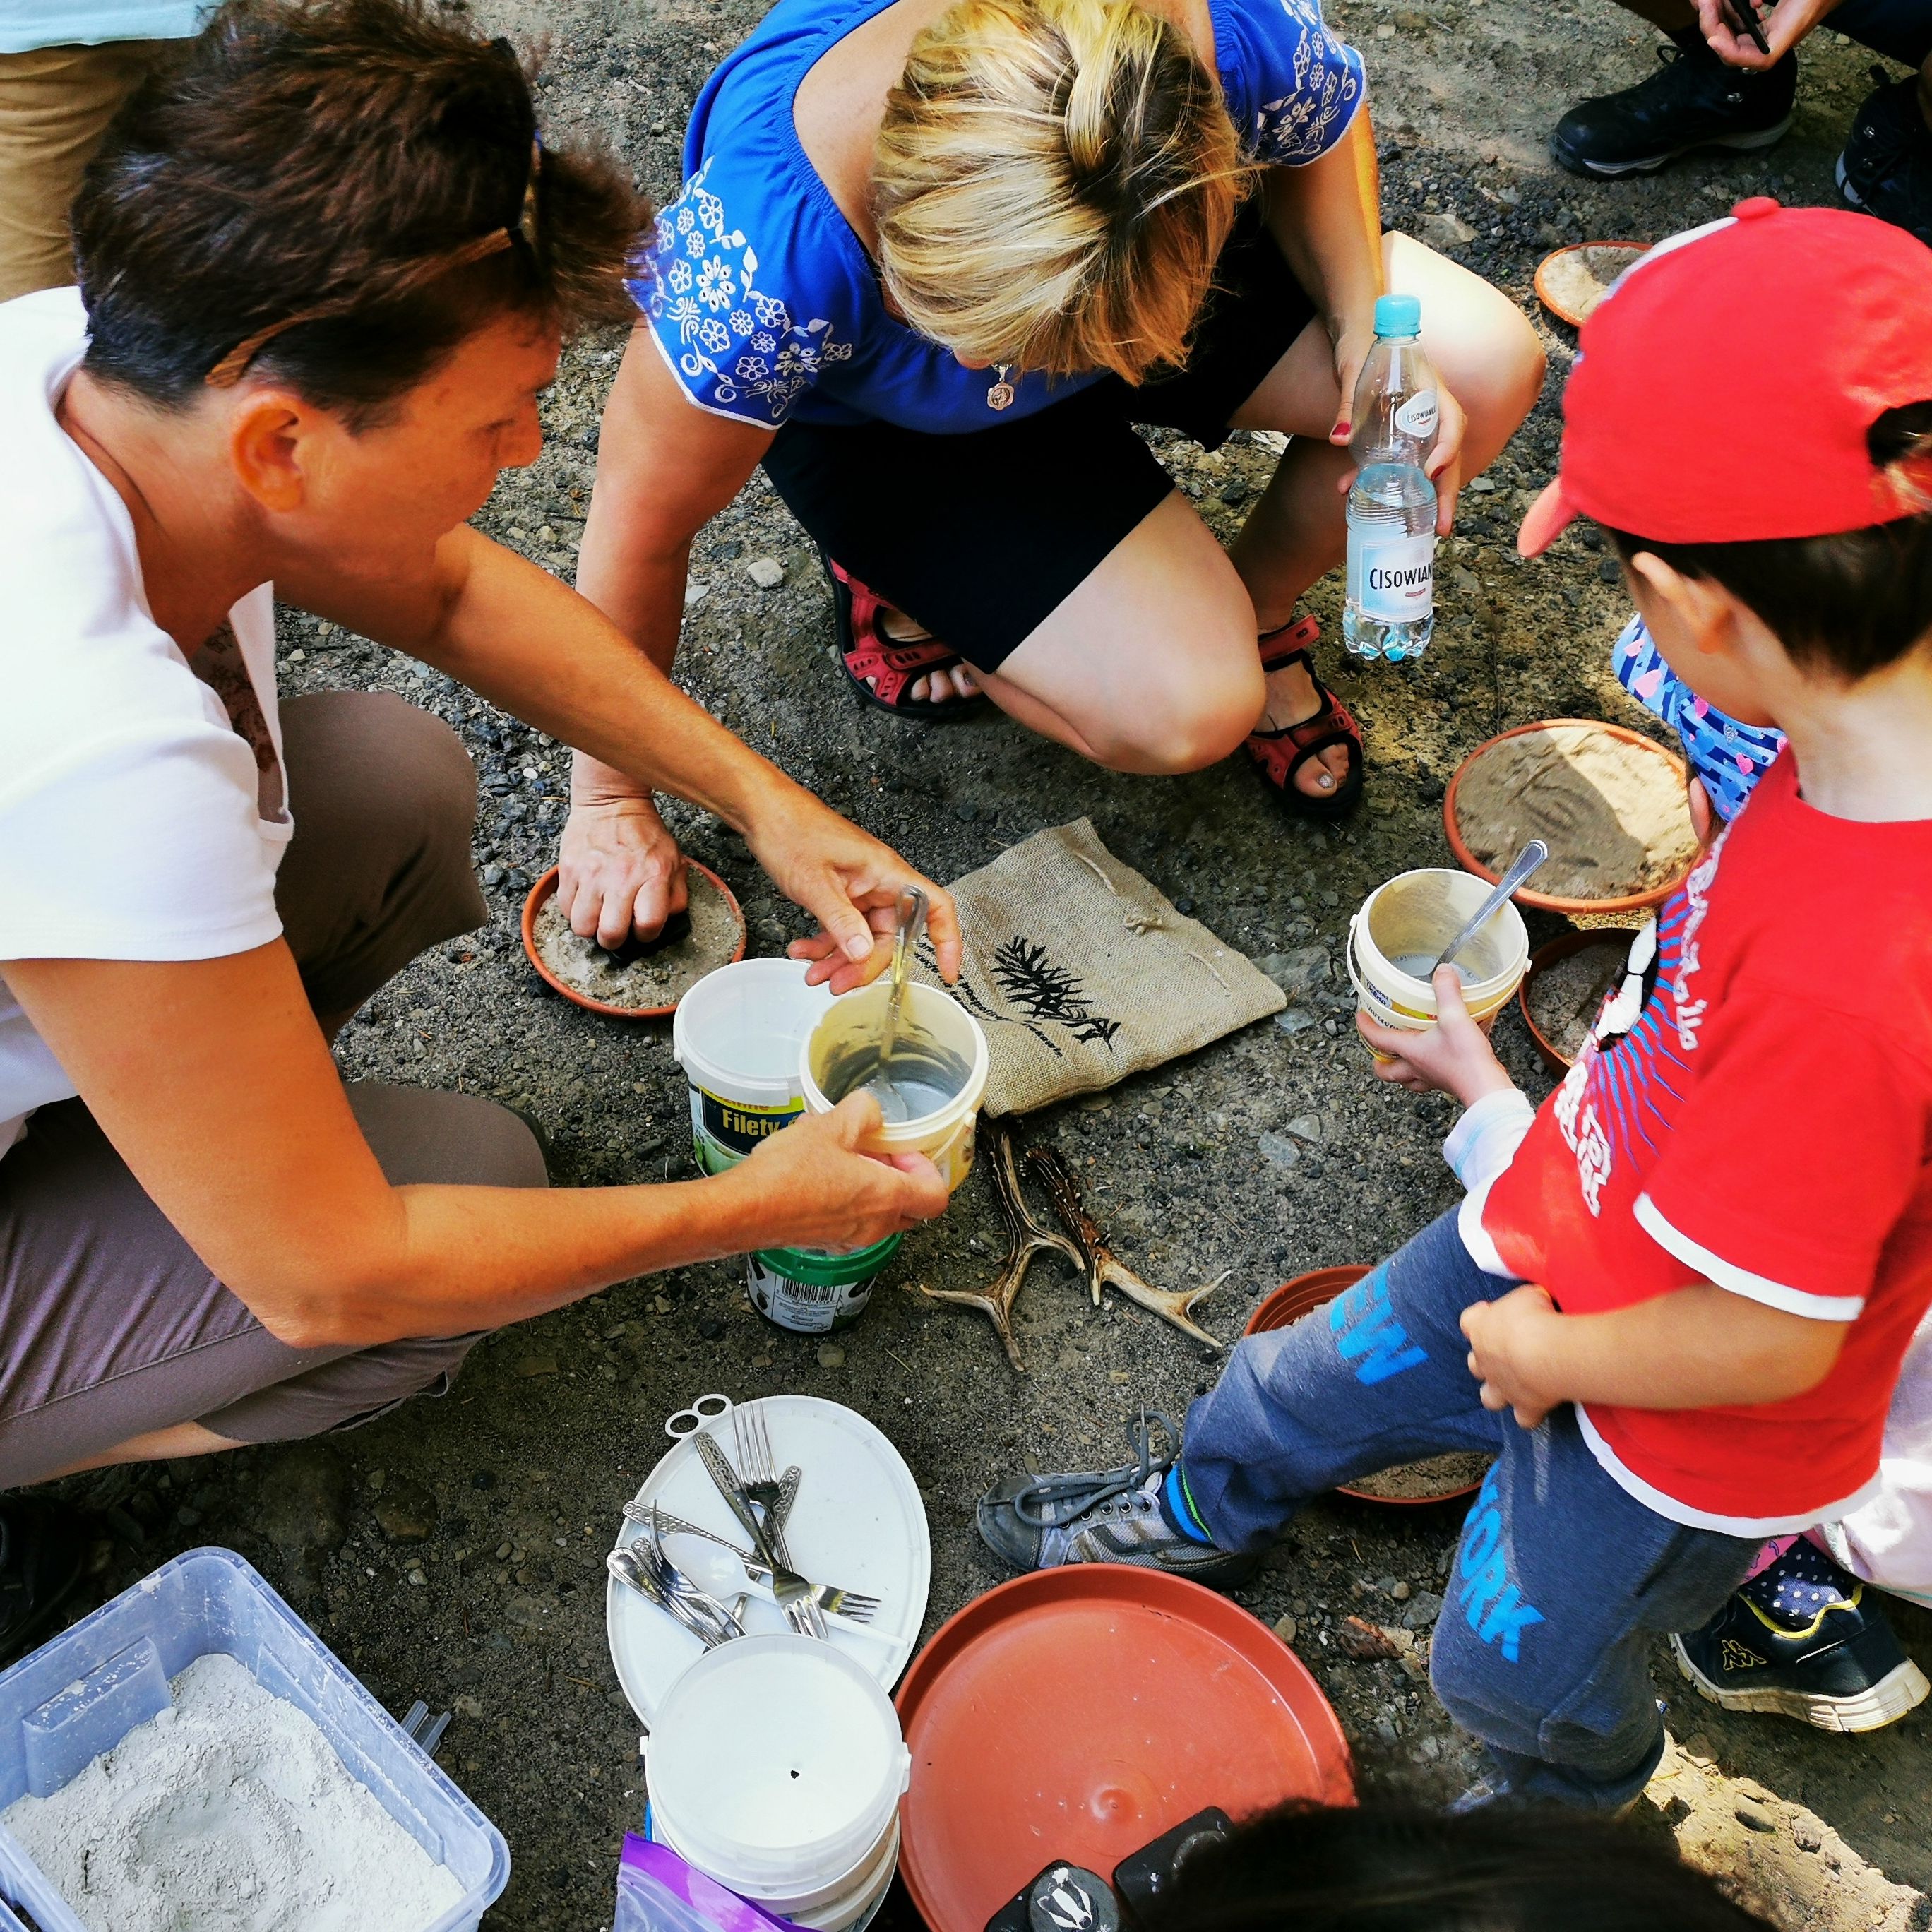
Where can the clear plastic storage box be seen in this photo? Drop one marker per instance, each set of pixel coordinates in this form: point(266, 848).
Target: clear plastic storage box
point(81, 1694)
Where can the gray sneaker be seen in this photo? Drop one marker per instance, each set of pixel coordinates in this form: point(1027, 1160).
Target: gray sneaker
point(1105, 1516)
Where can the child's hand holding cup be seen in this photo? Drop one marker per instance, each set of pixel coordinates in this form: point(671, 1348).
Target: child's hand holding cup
point(1454, 1056)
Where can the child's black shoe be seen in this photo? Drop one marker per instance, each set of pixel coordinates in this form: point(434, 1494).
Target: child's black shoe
point(1803, 1639)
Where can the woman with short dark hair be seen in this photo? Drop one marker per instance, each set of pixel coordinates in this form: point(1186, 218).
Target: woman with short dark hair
point(325, 272)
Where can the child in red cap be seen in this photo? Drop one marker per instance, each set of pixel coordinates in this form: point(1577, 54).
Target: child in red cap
point(1674, 1302)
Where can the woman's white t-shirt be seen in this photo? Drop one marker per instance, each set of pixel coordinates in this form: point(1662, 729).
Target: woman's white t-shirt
point(142, 806)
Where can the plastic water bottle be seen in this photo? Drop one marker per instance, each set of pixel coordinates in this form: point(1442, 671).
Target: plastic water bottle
point(1390, 609)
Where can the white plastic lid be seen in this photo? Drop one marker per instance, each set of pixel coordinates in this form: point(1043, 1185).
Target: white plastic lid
point(776, 1765)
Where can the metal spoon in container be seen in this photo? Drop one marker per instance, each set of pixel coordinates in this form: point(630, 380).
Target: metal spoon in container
point(911, 910)
point(1524, 862)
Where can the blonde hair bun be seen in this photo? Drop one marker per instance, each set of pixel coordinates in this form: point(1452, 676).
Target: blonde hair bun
point(1053, 182)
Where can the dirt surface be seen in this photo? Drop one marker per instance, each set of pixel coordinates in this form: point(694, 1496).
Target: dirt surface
point(453, 1550)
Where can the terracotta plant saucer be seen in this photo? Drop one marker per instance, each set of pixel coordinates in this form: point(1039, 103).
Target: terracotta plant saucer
point(1078, 1714)
point(1302, 1296)
point(1605, 938)
point(1638, 901)
point(547, 885)
point(1570, 282)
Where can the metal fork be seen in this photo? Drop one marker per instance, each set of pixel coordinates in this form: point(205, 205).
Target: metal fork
point(854, 1606)
point(759, 1473)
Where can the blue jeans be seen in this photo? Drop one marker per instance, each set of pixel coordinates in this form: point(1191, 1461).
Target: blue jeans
point(1901, 30)
point(1562, 1579)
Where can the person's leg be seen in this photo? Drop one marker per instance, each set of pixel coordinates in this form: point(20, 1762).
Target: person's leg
point(55, 105)
point(1562, 1583)
point(1379, 1377)
point(1489, 360)
point(384, 797)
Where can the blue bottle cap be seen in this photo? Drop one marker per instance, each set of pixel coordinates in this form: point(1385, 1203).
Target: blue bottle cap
point(1398, 315)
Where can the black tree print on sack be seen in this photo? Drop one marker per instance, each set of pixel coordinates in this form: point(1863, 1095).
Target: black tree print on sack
point(1043, 991)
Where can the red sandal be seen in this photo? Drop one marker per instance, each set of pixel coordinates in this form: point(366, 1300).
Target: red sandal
point(883, 669)
point(1282, 753)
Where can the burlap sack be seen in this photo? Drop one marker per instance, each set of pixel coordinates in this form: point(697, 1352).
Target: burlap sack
point(1082, 972)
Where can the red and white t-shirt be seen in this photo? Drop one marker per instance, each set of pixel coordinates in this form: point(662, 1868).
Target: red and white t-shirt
point(1765, 1123)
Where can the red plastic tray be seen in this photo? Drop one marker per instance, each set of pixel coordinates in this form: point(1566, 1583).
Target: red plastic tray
point(1080, 1713)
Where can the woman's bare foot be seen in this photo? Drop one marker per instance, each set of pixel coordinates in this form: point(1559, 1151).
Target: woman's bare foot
point(939, 687)
point(1292, 700)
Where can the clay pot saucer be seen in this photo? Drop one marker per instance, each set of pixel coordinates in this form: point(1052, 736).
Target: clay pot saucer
point(1558, 288)
point(1566, 946)
point(1571, 908)
point(542, 890)
point(1302, 1296)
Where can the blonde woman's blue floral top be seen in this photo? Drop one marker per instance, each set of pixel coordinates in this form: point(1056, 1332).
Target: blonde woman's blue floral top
point(764, 304)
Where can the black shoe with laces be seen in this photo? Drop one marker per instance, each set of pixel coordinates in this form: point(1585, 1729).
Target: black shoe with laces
point(1105, 1516)
point(1694, 101)
point(43, 1553)
point(1803, 1639)
point(1886, 168)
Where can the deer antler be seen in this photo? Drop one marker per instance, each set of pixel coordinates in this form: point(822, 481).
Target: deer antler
point(1027, 1238)
point(1101, 1267)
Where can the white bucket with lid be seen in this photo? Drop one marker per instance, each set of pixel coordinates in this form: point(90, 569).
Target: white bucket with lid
point(737, 1034)
point(1403, 926)
point(946, 1135)
point(776, 1766)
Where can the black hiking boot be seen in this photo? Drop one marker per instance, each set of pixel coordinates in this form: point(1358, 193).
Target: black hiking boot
point(1694, 101)
point(1886, 168)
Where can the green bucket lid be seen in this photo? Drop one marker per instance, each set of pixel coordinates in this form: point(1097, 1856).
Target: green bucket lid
point(827, 1271)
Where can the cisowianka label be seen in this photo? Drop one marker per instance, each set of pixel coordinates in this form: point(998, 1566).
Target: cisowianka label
point(1395, 580)
point(1416, 417)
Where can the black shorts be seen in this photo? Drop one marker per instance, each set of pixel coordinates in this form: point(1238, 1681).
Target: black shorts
point(981, 537)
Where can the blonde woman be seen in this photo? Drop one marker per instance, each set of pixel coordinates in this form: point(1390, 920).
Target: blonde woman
point(932, 263)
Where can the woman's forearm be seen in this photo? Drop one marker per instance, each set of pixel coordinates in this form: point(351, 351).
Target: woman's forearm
point(1700, 1347)
point(1326, 218)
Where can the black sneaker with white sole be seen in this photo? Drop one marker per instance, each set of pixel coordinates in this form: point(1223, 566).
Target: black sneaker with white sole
point(1105, 1516)
point(1803, 1639)
point(1886, 167)
point(1694, 100)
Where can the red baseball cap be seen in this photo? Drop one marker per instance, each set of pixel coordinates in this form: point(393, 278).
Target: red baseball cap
point(1724, 389)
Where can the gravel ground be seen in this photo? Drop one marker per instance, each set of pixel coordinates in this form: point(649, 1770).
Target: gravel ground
point(455, 1550)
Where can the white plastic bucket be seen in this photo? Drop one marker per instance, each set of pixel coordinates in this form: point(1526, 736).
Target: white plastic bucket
point(1410, 919)
point(946, 1135)
point(776, 1766)
point(737, 1034)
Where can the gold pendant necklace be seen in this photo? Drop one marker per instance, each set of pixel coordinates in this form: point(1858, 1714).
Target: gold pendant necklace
point(1000, 395)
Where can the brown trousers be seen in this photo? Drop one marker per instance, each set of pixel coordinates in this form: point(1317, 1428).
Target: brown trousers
point(109, 1325)
point(54, 106)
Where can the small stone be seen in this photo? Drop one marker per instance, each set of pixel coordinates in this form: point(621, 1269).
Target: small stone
point(1235, 491)
point(1294, 1019)
point(375, 1480)
point(1118, 1376)
point(417, 1578)
point(493, 875)
point(1753, 1815)
point(1424, 1608)
point(1306, 1127)
point(1610, 571)
point(1278, 1151)
point(1444, 229)
point(1385, 1729)
point(1300, 973)
point(966, 812)
point(1482, 485)
point(710, 1327)
point(767, 572)
point(1185, 908)
point(1806, 1834)
point(503, 1553)
point(659, 1306)
point(1465, 582)
point(537, 1365)
point(1386, 32)
point(830, 1355)
point(1285, 1628)
point(694, 592)
point(408, 1513)
point(1401, 1593)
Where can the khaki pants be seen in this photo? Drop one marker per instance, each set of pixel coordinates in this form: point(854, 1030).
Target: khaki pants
point(54, 106)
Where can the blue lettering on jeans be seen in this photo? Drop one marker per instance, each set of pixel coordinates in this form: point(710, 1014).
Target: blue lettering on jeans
point(1365, 1326)
point(1493, 1606)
